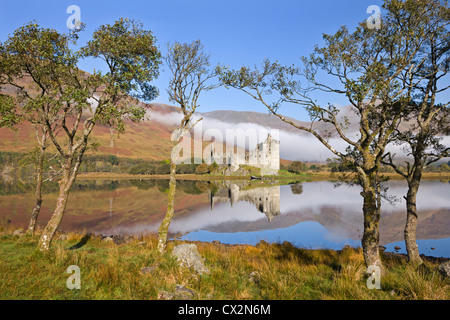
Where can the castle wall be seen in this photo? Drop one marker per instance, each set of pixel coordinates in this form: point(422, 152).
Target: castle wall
point(266, 156)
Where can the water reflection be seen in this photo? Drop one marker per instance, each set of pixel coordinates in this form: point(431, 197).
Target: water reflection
point(323, 216)
point(265, 199)
point(309, 214)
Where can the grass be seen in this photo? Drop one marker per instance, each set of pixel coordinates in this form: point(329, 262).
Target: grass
point(283, 174)
point(283, 272)
point(196, 177)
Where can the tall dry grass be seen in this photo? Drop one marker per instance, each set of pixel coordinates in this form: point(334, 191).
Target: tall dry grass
point(266, 271)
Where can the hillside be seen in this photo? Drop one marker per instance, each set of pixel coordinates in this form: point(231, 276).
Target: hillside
point(146, 140)
point(150, 139)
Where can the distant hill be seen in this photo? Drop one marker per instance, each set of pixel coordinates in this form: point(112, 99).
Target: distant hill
point(147, 140)
point(150, 139)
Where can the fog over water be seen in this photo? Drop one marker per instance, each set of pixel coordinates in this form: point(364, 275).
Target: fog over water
point(323, 215)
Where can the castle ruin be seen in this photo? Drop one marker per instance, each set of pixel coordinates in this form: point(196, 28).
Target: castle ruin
point(266, 156)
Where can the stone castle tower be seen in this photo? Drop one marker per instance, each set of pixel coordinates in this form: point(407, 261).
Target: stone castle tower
point(265, 156)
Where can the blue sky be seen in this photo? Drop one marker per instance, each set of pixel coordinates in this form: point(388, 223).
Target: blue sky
point(234, 33)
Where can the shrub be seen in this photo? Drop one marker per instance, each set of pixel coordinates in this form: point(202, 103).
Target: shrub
point(202, 169)
point(163, 169)
point(113, 160)
point(186, 169)
point(297, 167)
point(213, 167)
point(143, 168)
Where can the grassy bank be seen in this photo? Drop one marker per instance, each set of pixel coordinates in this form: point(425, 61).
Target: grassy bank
point(196, 177)
point(265, 271)
point(311, 176)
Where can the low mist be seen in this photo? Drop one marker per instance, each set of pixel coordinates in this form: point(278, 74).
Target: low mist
point(301, 146)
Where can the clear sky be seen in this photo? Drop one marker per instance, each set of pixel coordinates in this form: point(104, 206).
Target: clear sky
point(234, 32)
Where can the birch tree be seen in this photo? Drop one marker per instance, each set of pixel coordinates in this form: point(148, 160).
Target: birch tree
point(74, 101)
point(37, 53)
point(370, 68)
point(426, 119)
point(190, 76)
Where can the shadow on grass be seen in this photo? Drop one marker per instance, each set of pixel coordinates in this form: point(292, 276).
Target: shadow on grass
point(82, 242)
point(287, 251)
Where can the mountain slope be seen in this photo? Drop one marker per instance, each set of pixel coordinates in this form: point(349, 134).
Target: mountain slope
point(146, 140)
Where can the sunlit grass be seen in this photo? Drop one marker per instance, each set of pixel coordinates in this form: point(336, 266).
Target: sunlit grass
point(267, 271)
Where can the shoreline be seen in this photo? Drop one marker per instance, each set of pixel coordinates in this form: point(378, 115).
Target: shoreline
point(120, 239)
point(193, 177)
point(314, 176)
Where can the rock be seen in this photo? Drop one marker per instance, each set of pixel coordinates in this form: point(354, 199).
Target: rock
point(63, 237)
point(149, 270)
point(18, 232)
point(216, 242)
point(396, 248)
point(107, 239)
point(255, 277)
point(382, 248)
point(164, 295)
point(183, 293)
point(118, 239)
point(188, 256)
point(444, 269)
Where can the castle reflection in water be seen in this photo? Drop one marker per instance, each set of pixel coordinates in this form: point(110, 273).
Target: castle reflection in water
point(266, 200)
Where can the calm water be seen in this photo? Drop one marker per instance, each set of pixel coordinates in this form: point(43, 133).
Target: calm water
point(308, 214)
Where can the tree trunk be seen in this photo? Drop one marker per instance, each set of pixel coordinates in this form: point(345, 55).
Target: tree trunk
point(111, 141)
point(38, 192)
point(70, 173)
point(411, 223)
point(164, 227)
point(371, 236)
